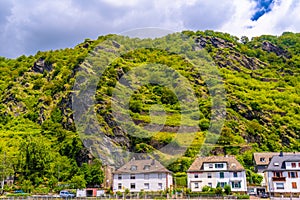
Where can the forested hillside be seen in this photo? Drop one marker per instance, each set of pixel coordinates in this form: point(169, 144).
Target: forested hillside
point(41, 144)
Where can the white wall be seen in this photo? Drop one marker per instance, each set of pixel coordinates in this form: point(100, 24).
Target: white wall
point(207, 168)
point(154, 181)
point(271, 186)
point(203, 180)
point(288, 166)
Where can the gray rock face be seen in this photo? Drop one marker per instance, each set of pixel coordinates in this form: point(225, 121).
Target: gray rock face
point(269, 47)
point(41, 65)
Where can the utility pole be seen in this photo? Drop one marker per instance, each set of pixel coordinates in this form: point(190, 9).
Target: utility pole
point(57, 174)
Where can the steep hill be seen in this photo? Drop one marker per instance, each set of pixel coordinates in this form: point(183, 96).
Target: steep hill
point(117, 93)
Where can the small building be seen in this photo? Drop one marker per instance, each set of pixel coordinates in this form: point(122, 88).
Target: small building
point(216, 171)
point(89, 192)
point(137, 175)
point(282, 174)
point(261, 161)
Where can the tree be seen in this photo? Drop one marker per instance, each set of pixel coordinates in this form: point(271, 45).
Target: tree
point(244, 39)
point(227, 189)
point(34, 158)
point(78, 182)
point(206, 188)
point(27, 186)
point(97, 175)
point(219, 190)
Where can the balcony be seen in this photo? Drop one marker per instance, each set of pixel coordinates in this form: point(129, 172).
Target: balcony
point(278, 178)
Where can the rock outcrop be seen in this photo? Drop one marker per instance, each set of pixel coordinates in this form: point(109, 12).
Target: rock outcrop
point(41, 65)
point(269, 47)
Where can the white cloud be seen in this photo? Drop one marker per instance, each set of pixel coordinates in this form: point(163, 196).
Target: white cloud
point(29, 26)
point(283, 17)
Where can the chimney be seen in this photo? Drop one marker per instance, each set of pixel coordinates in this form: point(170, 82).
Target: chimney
point(281, 154)
point(153, 162)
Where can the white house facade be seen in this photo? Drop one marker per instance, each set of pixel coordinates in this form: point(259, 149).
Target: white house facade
point(216, 171)
point(146, 175)
point(261, 162)
point(283, 175)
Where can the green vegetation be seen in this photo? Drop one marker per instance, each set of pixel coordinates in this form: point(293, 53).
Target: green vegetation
point(40, 145)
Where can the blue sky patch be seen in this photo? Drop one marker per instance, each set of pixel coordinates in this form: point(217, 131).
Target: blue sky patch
point(262, 7)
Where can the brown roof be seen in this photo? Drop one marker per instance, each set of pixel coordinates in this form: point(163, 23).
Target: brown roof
point(232, 163)
point(268, 156)
point(142, 166)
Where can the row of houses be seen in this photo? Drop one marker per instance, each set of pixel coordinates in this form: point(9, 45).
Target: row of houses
point(280, 171)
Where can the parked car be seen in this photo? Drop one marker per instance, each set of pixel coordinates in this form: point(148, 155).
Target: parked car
point(66, 194)
point(20, 193)
point(264, 195)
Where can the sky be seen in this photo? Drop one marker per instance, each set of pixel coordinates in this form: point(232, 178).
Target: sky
point(29, 26)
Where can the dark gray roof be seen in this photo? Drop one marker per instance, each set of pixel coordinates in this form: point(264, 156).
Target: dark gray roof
point(278, 162)
point(142, 166)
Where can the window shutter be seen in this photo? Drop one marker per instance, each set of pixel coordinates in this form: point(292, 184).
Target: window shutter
point(289, 174)
point(296, 174)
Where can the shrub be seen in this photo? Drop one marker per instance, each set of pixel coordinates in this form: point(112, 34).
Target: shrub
point(227, 189)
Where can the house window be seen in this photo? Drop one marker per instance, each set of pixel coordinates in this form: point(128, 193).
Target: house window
point(280, 186)
point(133, 168)
point(219, 165)
point(293, 165)
point(221, 174)
point(160, 186)
point(146, 176)
point(196, 176)
point(262, 159)
point(235, 174)
point(210, 166)
point(236, 185)
point(209, 185)
point(299, 164)
point(119, 186)
point(222, 184)
point(277, 174)
point(159, 176)
point(132, 176)
point(293, 175)
point(119, 177)
point(209, 175)
point(294, 185)
point(146, 186)
point(132, 185)
point(196, 185)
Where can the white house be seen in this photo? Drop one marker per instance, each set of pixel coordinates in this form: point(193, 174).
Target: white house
point(261, 162)
point(283, 174)
point(137, 175)
point(217, 170)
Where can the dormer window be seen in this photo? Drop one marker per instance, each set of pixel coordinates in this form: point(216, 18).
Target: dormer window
point(133, 168)
point(219, 165)
point(262, 159)
point(210, 166)
point(147, 167)
point(276, 164)
point(293, 165)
